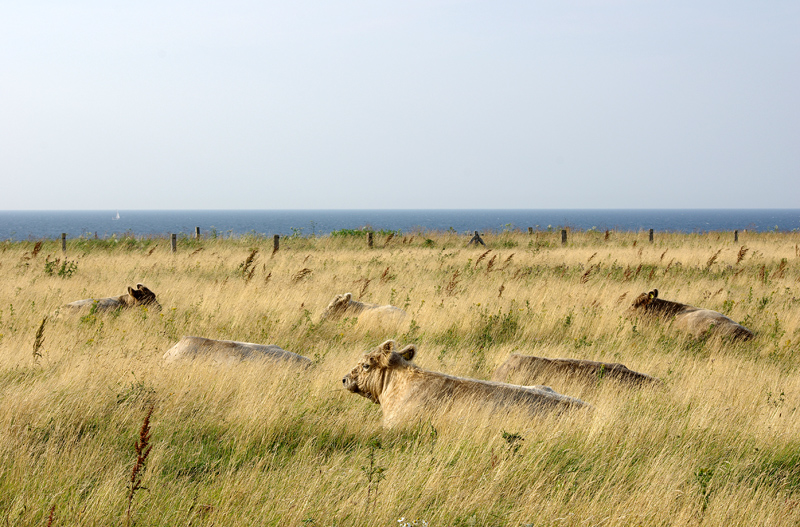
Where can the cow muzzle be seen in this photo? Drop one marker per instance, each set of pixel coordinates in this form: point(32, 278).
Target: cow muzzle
point(349, 384)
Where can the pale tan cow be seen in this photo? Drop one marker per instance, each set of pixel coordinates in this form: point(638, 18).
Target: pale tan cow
point(344, 305)
point(694, 320)
point(141, 296)
point(526, 369)
point(230, 352)
point(405, 392)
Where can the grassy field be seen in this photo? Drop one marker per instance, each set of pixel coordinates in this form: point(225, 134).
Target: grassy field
point(718, 443)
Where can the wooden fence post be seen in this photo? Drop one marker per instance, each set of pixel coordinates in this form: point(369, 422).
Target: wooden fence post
point(530, 231)
point(651, 235)
point(735, 236)
point(63, 242)
point(563, 236)
point(369, 239)
point(276, 243)
point(174, 242)
point(197, 233)
point(476, 239)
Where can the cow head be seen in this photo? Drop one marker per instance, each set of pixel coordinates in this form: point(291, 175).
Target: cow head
point(650, 304)
point(141, 296)
point(372, 372)
point(337, 307)
point(643, 300)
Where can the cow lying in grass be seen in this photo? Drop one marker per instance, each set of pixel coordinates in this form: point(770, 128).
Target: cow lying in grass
point(525, 369)
point(230, 352)
point(344, 305)
point(141, 296)
point(404, 391)
point(694, 320)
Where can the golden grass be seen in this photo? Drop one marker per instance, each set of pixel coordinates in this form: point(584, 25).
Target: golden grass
point(257, 444)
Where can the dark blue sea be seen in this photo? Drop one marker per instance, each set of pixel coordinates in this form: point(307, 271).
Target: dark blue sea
point(34, 225)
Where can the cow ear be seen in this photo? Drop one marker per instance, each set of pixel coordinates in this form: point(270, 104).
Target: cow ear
point(408, 352)
point(347, 297)
point(143, 288)
point(130, 290)
point(652, 294)
point(388, 346)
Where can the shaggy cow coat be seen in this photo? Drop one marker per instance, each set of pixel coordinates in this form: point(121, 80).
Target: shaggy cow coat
point(404, 391)
point(694, 320)
point(141, 296)
point(230, 352)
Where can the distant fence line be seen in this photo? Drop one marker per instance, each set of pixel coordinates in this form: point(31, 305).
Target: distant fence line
point(474, 240)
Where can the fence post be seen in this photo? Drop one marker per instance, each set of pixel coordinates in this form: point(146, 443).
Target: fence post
point(735, 236)
point(63, 242)
point(174, 242)
point(476, 239)
point(530, 231)
point(276, 243)
point(651, 235)
point(197, 233)
point(563, 236)
point(369, 239)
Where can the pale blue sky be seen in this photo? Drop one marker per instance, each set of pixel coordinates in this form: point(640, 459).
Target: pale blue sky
point(413, 104)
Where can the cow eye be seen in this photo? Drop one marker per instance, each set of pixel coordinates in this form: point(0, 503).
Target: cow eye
point(365, 366)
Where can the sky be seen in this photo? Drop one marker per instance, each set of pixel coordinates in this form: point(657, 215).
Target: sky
point(413, 104)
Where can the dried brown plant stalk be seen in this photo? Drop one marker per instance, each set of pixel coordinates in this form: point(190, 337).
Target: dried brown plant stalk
point(364, 286)
point(38, 341)
point(302, 273)
point(51, 516)
point(142, 447)
point(740, 256)
point(450, 288)
point(585, 276)
point(713, 259)
point(481, 257)
point(781, 269)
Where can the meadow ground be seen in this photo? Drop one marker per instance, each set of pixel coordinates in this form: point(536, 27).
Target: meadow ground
point(718, 443)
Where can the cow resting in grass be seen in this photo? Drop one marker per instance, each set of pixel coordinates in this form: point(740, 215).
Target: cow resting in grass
point(230, 352)
point(694, 320)
point(141, 296)
point(525, 369)
point(387, 376)
point(344, 305)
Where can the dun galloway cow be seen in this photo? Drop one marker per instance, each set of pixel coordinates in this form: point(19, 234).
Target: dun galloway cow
point(693, 320)
point(230, 352)
point(525, 369)
point(344, 304)
point(405, 392)
point(141, 296)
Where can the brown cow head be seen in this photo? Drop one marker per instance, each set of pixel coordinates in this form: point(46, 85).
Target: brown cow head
point(372, 372)
point(141, 296)
point(337, 307)
point(650, 304)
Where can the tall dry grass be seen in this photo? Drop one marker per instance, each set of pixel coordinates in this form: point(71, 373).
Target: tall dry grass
point(717, 444)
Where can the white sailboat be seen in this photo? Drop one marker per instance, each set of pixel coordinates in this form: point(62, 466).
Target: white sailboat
point(116, 217)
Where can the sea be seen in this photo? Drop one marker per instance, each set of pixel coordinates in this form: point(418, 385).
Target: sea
point(41, 224)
